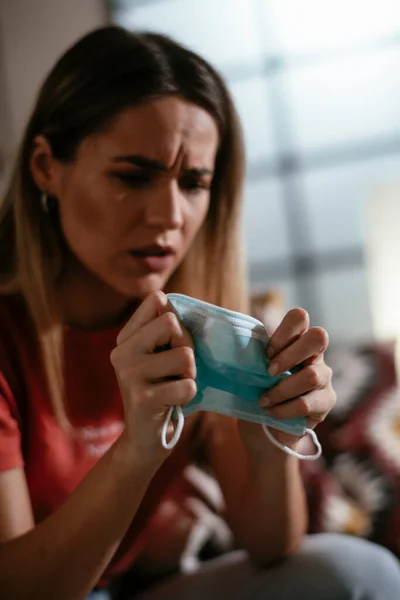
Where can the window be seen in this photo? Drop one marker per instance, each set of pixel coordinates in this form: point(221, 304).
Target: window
point(317, 85)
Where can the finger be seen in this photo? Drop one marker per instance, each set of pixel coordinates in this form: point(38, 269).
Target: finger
point(314, 406)
point(164, 332)
point(314, 342)
point(310, 378)
point(294, 324)
point(170, 393)
point(177, 362)
point(151, 307)
point(159, 335)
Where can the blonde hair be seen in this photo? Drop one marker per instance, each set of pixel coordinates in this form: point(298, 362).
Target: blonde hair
point(126, 68)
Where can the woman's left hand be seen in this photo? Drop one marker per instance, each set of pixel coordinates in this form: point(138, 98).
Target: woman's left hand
point(308, 391)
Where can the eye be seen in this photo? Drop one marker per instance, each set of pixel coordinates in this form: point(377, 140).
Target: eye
point(193, 184)
point(134, 180)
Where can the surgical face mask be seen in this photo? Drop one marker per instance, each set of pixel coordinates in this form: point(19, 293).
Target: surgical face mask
point(231, 370)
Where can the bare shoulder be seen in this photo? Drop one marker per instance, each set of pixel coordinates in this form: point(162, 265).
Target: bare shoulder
point(16, 516)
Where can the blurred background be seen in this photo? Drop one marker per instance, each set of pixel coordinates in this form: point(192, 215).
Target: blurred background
point(317, 86)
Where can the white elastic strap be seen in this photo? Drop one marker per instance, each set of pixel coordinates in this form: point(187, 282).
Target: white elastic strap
point(293, 452)
point(177, 433)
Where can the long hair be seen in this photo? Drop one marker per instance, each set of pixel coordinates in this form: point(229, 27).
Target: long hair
point(105, 72)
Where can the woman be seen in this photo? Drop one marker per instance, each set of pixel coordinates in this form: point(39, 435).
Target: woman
point(128, 185)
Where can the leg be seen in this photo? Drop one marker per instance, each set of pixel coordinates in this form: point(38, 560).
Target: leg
point(328, 567)
point(332, 567)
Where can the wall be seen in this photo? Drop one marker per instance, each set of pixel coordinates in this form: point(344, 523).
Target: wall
point(33, 34)
point(383, 252)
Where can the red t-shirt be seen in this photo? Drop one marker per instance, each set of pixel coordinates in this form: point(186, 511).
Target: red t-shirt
point(30, 436)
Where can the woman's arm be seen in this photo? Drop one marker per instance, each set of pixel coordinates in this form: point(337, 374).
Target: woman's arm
point(65, 555)
point(263, 491)
point(262, 485)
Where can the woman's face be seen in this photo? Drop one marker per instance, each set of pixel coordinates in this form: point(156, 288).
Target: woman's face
point(137, 193)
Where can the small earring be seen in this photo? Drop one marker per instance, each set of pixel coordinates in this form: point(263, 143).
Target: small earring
point(44, 201)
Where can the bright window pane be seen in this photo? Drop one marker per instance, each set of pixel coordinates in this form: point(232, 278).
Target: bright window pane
point(347, 100)
point(302, 26)
point(337, 199)
point(264, 222)
point(252, 102)
point(345, 304)
point(224, 32)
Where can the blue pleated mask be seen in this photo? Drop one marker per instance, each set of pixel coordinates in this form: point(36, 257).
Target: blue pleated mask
point(231, 368)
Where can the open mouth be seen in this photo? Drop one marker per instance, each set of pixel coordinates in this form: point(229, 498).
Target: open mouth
point(150, 252)
point(153, 258)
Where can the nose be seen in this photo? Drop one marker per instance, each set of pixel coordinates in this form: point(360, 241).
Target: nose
point(164, 209)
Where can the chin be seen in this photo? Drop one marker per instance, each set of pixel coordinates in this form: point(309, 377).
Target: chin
point(141, 287)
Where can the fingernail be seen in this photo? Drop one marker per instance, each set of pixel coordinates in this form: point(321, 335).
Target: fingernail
point(270, 352)
point(273, 369)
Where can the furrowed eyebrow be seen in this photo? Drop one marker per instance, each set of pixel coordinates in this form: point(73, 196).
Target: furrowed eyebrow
point(155, 165)
point(142, 161)
point(199, 172)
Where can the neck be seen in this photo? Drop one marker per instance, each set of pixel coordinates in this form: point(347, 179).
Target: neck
point(88, 303)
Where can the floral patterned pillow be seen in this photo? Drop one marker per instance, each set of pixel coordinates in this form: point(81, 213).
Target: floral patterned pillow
point(355, 487)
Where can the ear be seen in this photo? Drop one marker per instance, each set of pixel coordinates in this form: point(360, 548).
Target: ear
point(43, 166)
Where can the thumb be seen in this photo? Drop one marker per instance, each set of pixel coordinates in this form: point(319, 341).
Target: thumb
point(185, 339)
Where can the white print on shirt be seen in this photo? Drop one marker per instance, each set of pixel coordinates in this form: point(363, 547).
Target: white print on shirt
point(99, 439)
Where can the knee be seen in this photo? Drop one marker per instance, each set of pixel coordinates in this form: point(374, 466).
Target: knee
point(347, 568)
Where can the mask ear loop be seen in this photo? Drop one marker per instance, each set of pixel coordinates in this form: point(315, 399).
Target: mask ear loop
point(178, 431)
point(288, 450)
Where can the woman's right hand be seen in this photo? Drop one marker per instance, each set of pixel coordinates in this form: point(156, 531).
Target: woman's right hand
point(150, 380)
